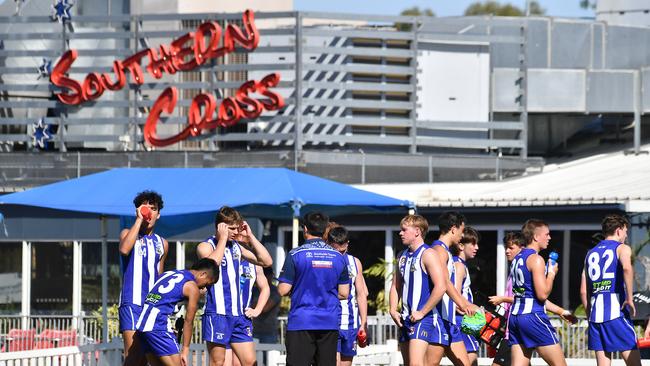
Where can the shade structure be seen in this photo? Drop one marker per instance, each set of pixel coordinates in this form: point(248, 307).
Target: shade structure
point(191, 195)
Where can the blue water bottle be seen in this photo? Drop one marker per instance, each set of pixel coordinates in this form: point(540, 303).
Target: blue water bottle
point(552, 260)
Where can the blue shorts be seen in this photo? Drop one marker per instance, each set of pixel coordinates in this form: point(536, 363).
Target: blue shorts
point(158, 342)
point(429, 329)
point(347, 345)
point(128, 315)
point(471, 344)
point(616, 335)
point(453, 332)
point(226, 329)
point(531, 330)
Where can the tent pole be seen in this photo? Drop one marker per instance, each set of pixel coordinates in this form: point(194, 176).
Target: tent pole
point(104, 280)
point(295, 207)
point(294, 236)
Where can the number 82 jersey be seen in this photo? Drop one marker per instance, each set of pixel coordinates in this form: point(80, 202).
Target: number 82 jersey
point(605, 286)
point(162, 299)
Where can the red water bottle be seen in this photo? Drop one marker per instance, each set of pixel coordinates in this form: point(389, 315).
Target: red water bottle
point(362, 338)
point(145, 211)
point(643, 342)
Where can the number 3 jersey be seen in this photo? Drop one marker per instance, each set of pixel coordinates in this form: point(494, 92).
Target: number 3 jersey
point(161, 300)
point(605, 286)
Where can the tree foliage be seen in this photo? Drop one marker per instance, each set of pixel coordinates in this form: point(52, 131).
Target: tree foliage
point(413, 12)
point(498, 9)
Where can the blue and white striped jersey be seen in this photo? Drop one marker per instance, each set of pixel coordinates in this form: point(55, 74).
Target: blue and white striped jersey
point(223, 297)
point(349, 307)
point(140, 269)
point(446, 307)
point(248, 276)
point(466, 291)
point(605, 283)
point(416, 283)
point(523, 287)
point(162, 299)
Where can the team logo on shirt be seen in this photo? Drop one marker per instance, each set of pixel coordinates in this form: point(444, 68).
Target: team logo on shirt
point(321, 264)
point(141, 248)
point(413, 268)
point(309, 255)
point(247, 273)
point(159, 248)
point(604, 285)
point(153, 298)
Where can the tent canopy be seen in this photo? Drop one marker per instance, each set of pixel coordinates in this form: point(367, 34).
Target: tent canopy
point(191, 196)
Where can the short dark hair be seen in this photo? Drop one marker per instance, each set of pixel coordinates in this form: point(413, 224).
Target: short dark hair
point(337, 235)
point(228, 215)
point(528, 229)
point(209, 265)
point(612, 222)
point(515, 238)
point(470, 235)
point(449, 219)
point(316, 223)
point(150, 197)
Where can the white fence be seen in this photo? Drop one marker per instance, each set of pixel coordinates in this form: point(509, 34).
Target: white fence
point(44, 332)
point(110, 354)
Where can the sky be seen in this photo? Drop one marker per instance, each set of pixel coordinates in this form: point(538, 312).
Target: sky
point(559, 8)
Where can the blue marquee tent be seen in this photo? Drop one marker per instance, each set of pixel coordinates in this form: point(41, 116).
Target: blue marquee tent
point(191, 196)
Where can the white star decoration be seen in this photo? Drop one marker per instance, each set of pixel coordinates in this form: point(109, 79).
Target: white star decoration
point(41, 133)
point(61, 10)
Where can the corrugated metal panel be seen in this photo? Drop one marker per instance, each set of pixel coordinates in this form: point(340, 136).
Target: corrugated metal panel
point(571, 44)
point(610, 91)
point(552, 90)
point(614, 178)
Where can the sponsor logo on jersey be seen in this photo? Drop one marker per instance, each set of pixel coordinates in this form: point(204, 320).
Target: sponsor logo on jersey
point(321, 264)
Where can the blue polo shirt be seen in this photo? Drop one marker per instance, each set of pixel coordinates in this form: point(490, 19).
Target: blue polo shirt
point(314, 270)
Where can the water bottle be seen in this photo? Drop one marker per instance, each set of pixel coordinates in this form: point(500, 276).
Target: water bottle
point(552, 260)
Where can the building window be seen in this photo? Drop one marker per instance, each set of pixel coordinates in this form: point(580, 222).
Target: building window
point(10, 277)
point(51, 278)
point(91, 275)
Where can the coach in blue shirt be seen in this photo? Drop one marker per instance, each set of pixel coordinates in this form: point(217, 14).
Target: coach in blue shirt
point(316, 277)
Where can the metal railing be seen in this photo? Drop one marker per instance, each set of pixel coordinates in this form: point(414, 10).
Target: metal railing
point(87, 330)
point(349, 82)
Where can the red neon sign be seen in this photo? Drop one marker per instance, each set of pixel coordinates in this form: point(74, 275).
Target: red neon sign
point(182, 54)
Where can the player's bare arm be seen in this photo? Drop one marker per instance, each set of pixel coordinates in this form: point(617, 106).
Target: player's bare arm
point(543, 283)
point(393, 298)
point(343, 290)
point(191, 292)
point(583, 294)
point(460, 277)
point(255, 252)
point(204, 249)
point(265, 292)
point(362, 294)
point(284, 289)
point(624, 253)
point(129, 236)
point(163, 257)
